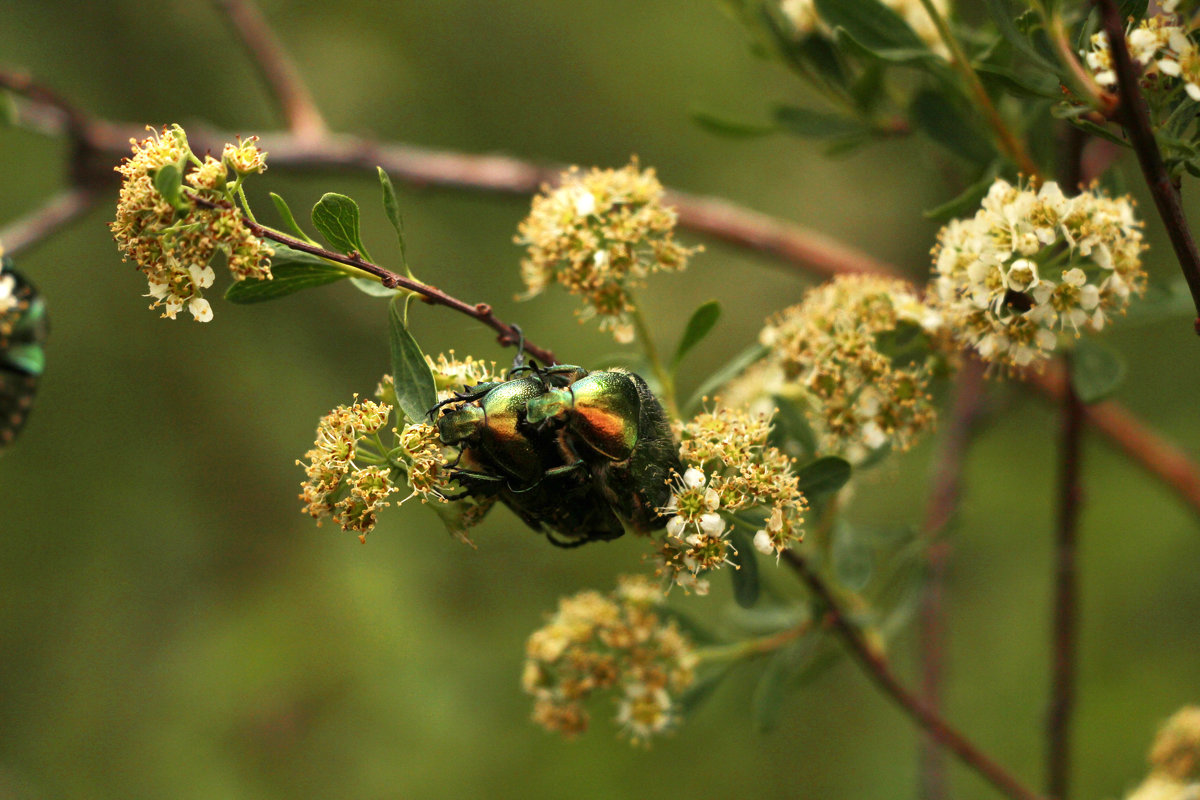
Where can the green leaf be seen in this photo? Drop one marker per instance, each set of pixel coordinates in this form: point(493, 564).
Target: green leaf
point(391, 207)
point(745, 568)
point(824, 476)
point(415, 389)
point(168, 182)
point(293, 270)
point(922, 58)
point(336, 217)
point(1043, 85)
point(777, 678)
point(872, 24)
point(791, 428)
point(967, 202)
point(725, 374)
point(1096, 371)
point(1003, 17)
point(1133, 8)
point(700, 690)
point(727, 126)
point(906, 344)
point(851, 557)
point(938, 116)
point(1099, 130)
point(285, 213)
point(373, 288)
point(701, 323)
point(809, 124)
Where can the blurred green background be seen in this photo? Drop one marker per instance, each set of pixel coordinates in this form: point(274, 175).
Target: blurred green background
point(171, 626)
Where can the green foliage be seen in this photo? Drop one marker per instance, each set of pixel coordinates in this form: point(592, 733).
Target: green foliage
point(293, 271)
point(416, 393)
point(744, 572)
point(699, 325)
point(1096, 370)
point(336, 217)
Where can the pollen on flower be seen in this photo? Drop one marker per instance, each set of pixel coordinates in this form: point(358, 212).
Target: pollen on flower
point(451, 374)
point(172, 246)
point(731, 469)
point(1031, 266)
point(599, 234)
point(1174, 760)
point(245, 158)
point(1176, 750)
point(617, 642)
point(1164, 50)
point(336, 485)
point(858, 355)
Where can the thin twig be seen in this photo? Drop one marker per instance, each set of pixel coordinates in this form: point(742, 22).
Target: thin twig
point(508, 334)
point(1063, 667)
point(929, 720)
point(1135, 116)
point(943, 508)
point(278, 70)
point(793, 245)
point(57, 212)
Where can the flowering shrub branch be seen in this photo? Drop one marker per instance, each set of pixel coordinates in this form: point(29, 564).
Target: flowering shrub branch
point(1135, 117)
point(836, 384)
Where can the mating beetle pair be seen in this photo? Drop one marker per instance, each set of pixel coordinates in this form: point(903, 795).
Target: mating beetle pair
point(578, 455)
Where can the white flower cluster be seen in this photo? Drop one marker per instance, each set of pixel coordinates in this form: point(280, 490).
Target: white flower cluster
point(1031, 264)
point(1159, 46)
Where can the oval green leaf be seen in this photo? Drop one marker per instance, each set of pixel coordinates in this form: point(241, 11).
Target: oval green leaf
point(1096, 371)
point(824, 476)
point(293, 271)
point(336, 217)
point(700, 325)
point(744, 572)
point(416, 393)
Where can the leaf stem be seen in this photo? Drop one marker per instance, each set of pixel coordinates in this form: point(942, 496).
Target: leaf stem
point(751, 648)
point(665, 379)
point(1005, 137)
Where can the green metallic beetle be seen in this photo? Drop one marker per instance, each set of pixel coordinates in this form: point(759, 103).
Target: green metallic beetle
point(612, 422)
point(23, 328)
point(501, 454)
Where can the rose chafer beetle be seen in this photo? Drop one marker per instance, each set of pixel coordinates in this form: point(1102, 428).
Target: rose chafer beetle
point(579, 455)
point(611, 421)
point(502, 455)
point(23, 329)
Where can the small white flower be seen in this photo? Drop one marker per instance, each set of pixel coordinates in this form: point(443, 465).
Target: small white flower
point(585, 202)
point(712, 524)
point(762, 543)
point(1022, 275)
point(202, 277)
point(200, 309)
point(694, 478)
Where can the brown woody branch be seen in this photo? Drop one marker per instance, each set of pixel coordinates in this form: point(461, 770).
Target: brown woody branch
point(943, 507)
point(1062, 672)
point(276, 68)
point(793, 245)
point(1135, 117)
point(508, 334)
point(877, 669)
